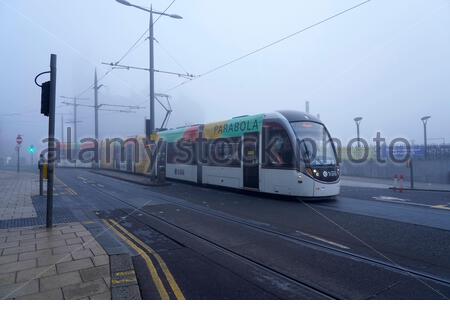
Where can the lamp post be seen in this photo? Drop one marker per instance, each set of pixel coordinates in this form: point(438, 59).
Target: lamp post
point(358, 122)
point(151, 55)
point(425, 142)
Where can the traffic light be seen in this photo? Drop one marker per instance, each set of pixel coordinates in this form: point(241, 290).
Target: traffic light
point(45, 98)
point(31, 149)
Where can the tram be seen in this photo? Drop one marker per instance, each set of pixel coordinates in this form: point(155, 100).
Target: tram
point(285, 152)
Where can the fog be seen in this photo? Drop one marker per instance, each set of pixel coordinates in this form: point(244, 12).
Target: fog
point(386, 61)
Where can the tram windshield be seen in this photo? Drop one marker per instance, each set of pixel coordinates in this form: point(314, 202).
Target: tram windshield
point(316, 145)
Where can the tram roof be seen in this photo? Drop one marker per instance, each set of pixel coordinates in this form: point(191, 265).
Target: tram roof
point(293, 116)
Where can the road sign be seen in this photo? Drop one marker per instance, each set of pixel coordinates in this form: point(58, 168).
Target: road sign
point(19, 139)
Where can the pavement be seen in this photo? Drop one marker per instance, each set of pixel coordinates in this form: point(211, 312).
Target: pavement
point(64, 262)
point(15, 191)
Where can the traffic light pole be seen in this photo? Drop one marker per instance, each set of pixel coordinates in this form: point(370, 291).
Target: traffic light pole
point(51, 141)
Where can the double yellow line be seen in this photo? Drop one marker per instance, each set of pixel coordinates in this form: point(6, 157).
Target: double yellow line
point(145, 252)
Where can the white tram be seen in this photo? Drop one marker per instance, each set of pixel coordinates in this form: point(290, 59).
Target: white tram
point(285, 152)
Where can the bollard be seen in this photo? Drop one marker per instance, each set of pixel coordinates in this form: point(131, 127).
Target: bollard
point(41, 175)
point(161, 175)
point(395, 183)
point(41, 181)
point(411, 172)
point(401, 183)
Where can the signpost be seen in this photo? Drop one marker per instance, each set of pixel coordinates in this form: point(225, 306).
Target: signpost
point(19, 141)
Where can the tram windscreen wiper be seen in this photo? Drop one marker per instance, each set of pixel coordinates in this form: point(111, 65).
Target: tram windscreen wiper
point(316, 143)
point(306, 153)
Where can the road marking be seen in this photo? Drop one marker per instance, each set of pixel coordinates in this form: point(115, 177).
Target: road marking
point(443, 207)
point(122, 281)
point(404, 202)
point(173, 284)
point(385, 199)
point(151, 267)
point(83, 179)
point(68, 189)
point(124, 273)
point(341, 246)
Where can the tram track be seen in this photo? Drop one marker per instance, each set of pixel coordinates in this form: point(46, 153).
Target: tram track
point(309, 243)
point(317, 291)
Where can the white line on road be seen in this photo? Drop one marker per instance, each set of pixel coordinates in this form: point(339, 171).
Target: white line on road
point(384, 198)
point(323, 240)
point(403, 201)
point(443, 207)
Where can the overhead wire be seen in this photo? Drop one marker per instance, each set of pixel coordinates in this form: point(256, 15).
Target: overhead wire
point(271, 44)
point(172, 57)
point(136, 43)
point(134, 46)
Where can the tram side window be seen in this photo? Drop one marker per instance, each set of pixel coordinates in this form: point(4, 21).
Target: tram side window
point(224, 152)
point(278, 151)
point(182, 152)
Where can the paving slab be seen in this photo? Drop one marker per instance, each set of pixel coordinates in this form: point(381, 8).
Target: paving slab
point(74, 265)
point(95, 273)
point(30, 274)
point(55, 294)
point(85, 289)
point(15, 290)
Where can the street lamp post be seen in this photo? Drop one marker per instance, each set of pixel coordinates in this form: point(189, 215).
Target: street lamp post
point(358, 122)
point(425, 140)
point(152, 72)
point(151, 55)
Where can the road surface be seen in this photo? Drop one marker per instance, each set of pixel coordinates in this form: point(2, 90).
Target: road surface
point(369, 243)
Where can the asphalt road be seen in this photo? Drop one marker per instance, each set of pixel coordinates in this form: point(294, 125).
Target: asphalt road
point(223, 244)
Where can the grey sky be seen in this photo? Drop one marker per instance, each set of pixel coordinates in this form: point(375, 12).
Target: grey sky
point(386, 61)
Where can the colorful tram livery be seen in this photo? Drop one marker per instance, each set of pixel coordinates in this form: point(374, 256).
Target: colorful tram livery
point(285, 152)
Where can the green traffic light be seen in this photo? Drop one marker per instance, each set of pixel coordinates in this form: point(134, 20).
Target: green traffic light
point(31, 149)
